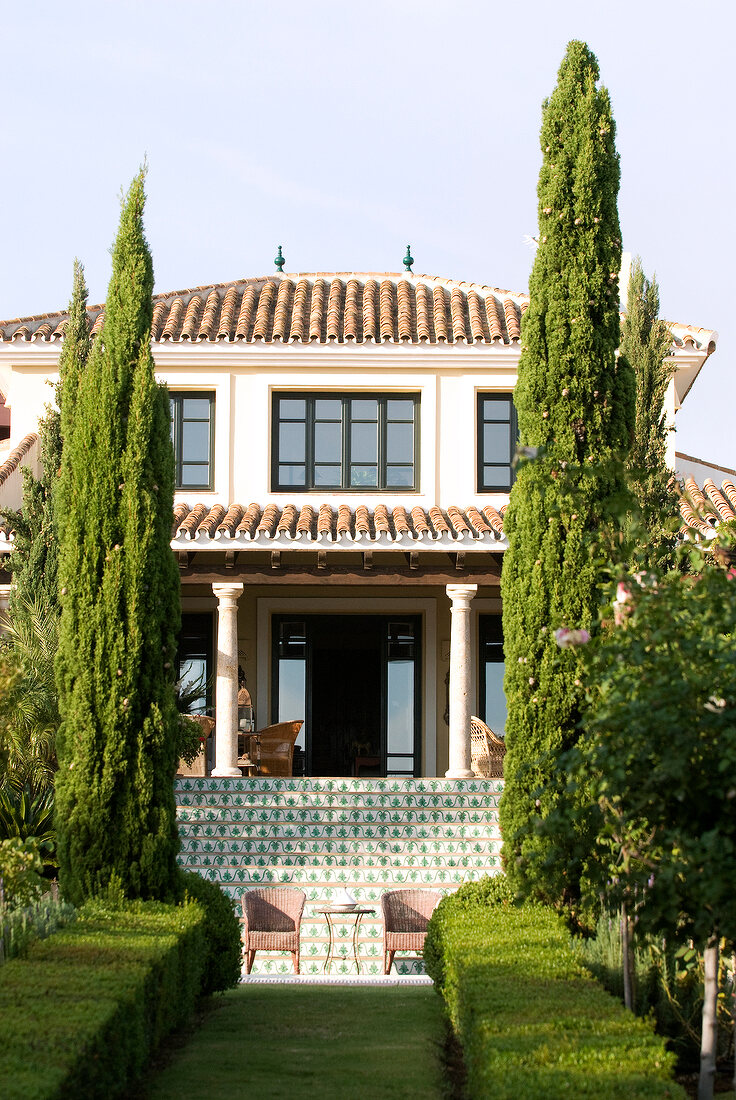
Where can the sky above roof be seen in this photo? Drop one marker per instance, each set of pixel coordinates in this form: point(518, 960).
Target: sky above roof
point(344, 131)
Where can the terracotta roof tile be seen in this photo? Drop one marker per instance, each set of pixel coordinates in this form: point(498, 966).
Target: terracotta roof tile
point(315, 310)
point(337, 524)
point(341, 307)
point(702, 510)
point(14, 459)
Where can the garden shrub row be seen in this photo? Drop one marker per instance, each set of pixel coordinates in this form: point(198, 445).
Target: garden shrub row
point(81, 1015)
point(529, 1018)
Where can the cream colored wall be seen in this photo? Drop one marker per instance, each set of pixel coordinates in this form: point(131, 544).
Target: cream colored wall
point(243, 378)
point(447, 379)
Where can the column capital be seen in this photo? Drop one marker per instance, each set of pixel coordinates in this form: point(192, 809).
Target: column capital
point(461, 592)
point(230, 591)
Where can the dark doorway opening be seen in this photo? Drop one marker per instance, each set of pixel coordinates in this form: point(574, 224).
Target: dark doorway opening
point(355, 680)
point(346, 695)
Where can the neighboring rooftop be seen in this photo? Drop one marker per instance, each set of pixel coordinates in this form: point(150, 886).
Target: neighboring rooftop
point(343, 307)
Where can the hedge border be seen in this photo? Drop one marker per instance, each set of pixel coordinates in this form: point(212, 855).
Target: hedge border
point(530, 1019)
point(82, 1014)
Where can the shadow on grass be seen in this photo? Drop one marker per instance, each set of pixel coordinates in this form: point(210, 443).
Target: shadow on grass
point(346, 1042)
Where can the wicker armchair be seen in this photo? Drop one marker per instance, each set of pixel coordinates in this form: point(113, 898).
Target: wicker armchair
point(274, 748)
point(272, 918)
point(406, 915)
point(486, 751)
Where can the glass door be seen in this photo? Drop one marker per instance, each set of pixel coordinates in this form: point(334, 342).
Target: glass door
point(355, 681)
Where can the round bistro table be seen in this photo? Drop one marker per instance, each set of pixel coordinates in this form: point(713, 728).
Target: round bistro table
point(332, 911)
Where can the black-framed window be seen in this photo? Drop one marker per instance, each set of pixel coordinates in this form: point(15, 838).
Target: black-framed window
point(193, 436)
point(195, 662)
point(498, 435)
point(345, 441)
point(492, 669)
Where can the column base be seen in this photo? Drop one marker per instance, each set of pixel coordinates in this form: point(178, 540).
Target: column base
point(461, 773)
point(226, 773)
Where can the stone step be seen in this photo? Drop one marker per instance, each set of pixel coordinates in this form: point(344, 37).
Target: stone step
point(368, 800)
point(277, 848)
point(362, 881)
point(366, 837)
point(282, 787)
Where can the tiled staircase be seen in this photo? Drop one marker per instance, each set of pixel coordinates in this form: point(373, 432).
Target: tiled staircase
point(323, 835)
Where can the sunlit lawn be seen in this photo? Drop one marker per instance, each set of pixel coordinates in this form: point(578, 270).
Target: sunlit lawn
point(311, 1041)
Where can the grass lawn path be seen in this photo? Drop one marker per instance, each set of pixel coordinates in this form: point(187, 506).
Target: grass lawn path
point(293, 1041)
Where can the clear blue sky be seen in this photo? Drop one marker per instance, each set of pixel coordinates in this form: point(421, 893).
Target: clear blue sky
point(343, 130)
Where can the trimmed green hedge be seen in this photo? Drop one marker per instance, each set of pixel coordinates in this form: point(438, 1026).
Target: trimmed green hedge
point(82, 1014)
point(531, 1021)
point(222, 932)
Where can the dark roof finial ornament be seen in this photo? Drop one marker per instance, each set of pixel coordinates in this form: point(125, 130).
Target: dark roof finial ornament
point(408, 259)
point(279, 261)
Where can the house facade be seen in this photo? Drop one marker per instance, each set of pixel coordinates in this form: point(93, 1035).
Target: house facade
point(344, 447)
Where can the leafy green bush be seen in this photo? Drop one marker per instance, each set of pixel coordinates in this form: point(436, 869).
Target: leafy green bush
point(21, 867)
point(489, 890)
point(668, 984)
point(530, 1020)
point(222, 932)
point(21, 927)
point(82, 1014)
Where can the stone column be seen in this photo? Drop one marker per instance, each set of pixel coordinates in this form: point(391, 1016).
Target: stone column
point(460, 680)
point(226, 688)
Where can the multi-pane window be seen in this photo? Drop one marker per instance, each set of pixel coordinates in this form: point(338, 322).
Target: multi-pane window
point(193, 435)
point(497, 438)
point(349, 441)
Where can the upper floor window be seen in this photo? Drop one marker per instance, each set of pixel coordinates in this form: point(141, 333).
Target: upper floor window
point(498, 434)
point(193, 436)
point(348, 441)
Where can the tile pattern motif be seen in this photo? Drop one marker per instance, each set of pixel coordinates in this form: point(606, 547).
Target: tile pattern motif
point(323, 835)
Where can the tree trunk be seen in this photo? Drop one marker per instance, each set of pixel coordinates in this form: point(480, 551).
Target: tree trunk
point(626, 959)
point(709, 1036)
point(733, 1013)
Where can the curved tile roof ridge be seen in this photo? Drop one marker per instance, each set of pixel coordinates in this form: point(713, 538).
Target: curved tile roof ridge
point(342, 307)
point(322, 307)
point(13, 461)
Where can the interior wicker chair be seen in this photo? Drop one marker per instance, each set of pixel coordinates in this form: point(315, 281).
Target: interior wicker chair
point(486, 751)
point(406, 915)
point(272, 917)
point(274, 748)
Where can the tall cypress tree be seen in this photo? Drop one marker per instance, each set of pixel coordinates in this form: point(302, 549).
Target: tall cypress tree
point(575, 402)
point(120, 601)
point(645, 341)
point(35, 560)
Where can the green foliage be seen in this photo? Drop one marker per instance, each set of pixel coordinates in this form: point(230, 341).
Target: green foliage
point(120, 601)
point(35, 558)
point(29, 816)
point(658, 752)
point(19, 928)
point(575, 402)
point(99, 996)
point(487, 891)
point(668, 984)
point(530, 1021)
point(189, 739)
point(222, 932)
point(20, 872)
point(645, 342)
point(29, 713)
